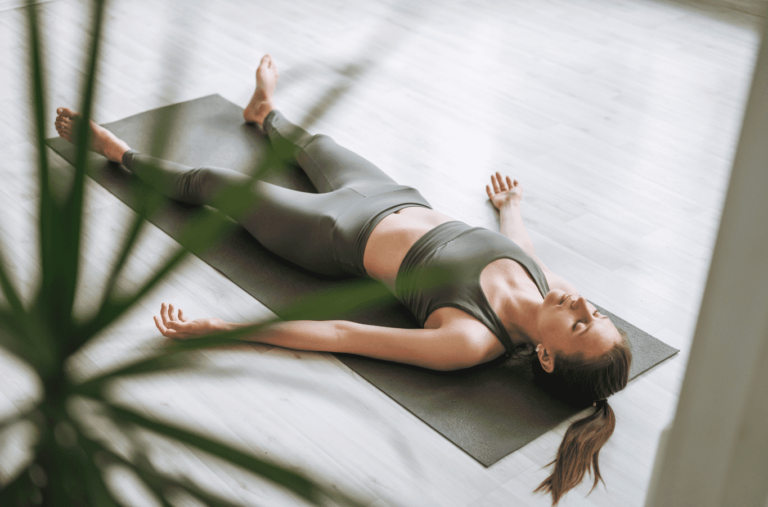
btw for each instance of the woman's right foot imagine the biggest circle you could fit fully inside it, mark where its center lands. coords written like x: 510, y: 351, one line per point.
x: 261, y: 102
x: 103, y: 141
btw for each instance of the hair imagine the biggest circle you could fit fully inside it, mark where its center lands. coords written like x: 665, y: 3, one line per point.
x: 583, y: 381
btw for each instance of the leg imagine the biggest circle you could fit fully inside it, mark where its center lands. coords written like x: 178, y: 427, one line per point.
x: 328, y: 165
x: 297, y: 226
x: 198, y: 185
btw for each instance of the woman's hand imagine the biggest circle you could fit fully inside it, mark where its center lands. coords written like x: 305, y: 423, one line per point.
x: 174, y: 325
x: 504, y: 191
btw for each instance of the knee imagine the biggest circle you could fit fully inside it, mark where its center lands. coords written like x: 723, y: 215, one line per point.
x: 196, y: 185
x: 318, y: 141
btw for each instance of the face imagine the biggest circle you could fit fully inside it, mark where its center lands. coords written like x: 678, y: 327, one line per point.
x: 568, y: 324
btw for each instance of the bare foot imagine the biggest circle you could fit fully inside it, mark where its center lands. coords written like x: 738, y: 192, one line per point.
x: 261, y: 102
x: 103, y: 141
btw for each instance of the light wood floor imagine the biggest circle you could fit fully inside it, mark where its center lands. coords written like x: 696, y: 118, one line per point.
x: 620, y: 117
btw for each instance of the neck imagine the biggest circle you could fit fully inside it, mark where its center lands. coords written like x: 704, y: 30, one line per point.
x: 520, y: 317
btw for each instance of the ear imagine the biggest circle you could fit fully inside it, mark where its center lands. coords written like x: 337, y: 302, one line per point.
x: 546, y: 359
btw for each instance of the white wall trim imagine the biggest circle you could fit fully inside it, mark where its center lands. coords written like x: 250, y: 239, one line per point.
x: 716, y: 453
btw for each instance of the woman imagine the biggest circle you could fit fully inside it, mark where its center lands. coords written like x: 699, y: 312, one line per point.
x: 478, y: 294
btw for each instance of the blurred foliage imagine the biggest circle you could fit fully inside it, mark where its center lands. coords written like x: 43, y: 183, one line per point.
x: 69, y: 461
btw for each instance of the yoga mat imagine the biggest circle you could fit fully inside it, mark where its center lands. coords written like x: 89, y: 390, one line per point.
x: 488, y: 411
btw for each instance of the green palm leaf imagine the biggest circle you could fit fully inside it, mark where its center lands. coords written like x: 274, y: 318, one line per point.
x: 45, y: 334
x: 160, y: 484
x: 294, y: 482
x: 48, y: 211
x: 21, y: 491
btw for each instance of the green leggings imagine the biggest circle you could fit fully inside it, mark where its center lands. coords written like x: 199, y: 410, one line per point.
x: 325, y: 232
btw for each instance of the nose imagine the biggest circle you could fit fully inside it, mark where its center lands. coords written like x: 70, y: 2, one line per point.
x: 581, y: 305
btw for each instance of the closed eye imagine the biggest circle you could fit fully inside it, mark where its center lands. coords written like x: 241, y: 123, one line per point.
x: 596, y: 314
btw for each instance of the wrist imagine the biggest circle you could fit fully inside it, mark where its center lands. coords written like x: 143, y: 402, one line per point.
x: 222, y: 325
x: 509, y: 206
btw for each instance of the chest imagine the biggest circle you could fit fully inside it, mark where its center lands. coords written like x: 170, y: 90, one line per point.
x: 499, y: 281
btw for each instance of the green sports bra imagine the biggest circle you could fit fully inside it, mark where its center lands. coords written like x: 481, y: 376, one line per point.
x: 443, y: 269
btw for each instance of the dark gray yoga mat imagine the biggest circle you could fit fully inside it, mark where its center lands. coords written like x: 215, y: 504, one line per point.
x: 487, y: 411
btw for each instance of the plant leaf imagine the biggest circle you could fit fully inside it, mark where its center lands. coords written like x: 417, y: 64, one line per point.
x: 113, y: 308
x: 24, y: 337
x: 139, y: 221
x: 168, y: 359
x: 19, y: 491
x: 9, y: 338
x: 158, y: 482
x: 69, y: 237
x: 290, y: 480
x: 11, y: 294
x: 203, y: 231
x: 352, y: 296
x: 98, y: 491
x: 48, y: 207
x: 15, y: 418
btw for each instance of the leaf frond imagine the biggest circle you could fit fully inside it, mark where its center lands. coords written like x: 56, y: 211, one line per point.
x: 49, y: 210
x: 168, y: 359
x: 278, y: 475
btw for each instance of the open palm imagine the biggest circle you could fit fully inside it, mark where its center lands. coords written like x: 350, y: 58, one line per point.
x: 173, y: 324
x: 503, y: 190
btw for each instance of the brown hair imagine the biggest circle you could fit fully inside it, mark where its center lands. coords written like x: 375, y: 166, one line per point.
x: 582, y: 382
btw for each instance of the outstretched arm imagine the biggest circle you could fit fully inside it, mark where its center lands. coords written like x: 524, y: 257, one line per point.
x: 438, y: 349
x: 506, y: 195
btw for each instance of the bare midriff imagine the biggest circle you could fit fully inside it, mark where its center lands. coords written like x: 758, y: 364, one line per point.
x: 391, y: 239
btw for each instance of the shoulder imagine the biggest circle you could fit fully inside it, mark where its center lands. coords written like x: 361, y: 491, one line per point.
x: 466, y: 334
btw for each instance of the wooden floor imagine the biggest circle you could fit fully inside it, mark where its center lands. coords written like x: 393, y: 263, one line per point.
x: 620, y: 117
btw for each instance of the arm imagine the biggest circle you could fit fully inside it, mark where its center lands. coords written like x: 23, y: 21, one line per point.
x: 448, y: 348
x: 506, y: 197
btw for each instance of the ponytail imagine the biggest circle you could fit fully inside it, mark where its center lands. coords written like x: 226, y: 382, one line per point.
x: 579, y: 451
x: 580, y: 381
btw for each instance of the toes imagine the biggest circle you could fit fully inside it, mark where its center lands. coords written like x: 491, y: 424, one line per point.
x: 66, y: 112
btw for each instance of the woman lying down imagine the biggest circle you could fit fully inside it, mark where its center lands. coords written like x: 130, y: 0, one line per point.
x: 499, y: 298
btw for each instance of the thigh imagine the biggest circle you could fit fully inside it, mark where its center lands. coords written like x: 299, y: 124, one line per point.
x: 327, y: 164
x: 298, y: 226
x: 340, y: 167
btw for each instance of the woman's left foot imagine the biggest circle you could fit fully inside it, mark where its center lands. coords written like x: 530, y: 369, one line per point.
x: 261, y: 101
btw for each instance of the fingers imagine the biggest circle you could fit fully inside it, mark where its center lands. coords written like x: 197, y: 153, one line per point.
x: 168, y: 333
x: 490, y: 194
x: 171, y: 321
x: 502, y: 185
x: 164, y: 314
